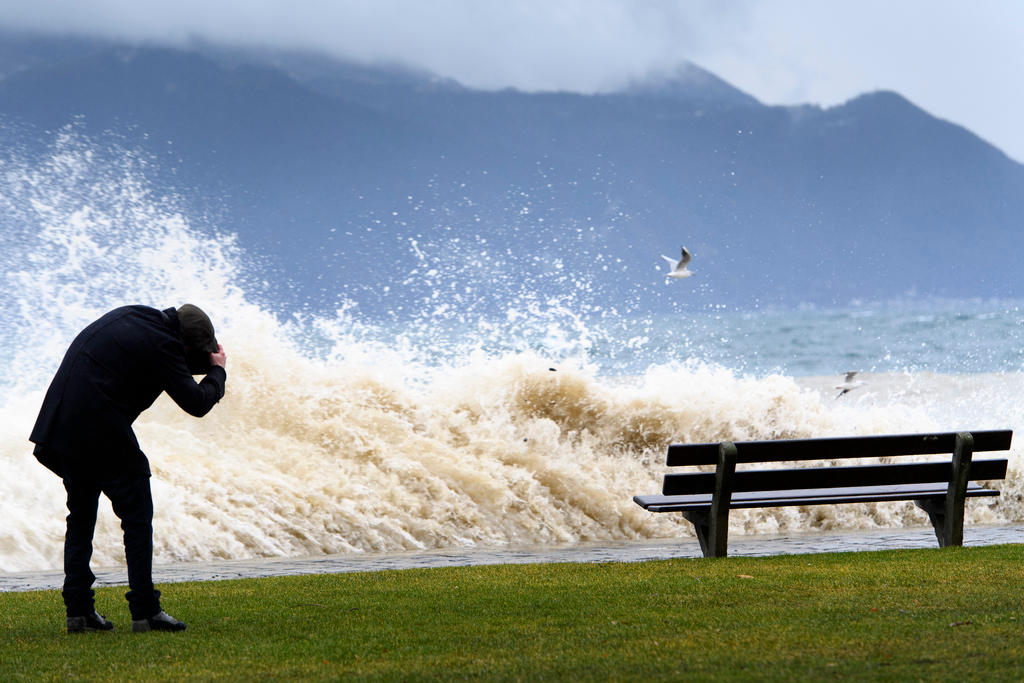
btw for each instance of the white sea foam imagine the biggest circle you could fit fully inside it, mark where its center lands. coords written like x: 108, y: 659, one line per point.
x: 327, y: 443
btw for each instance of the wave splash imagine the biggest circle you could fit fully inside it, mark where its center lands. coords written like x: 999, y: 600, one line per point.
x: 338, y: 436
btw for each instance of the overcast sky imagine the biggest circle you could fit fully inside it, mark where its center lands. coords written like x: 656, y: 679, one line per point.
x: 961, y: 61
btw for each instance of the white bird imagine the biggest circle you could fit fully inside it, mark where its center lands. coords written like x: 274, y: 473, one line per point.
x: 849, y: 383
x: 678, y: 268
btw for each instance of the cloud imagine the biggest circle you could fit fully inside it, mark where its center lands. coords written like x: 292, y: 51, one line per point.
x: 958, y: 61
x: 582, y: 45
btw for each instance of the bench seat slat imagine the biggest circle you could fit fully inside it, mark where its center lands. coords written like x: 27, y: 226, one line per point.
x: 828, y: 477
x: 816, y: 496
x: 841, y: 448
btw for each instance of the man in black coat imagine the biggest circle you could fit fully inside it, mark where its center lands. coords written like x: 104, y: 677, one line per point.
x: 113, y: 370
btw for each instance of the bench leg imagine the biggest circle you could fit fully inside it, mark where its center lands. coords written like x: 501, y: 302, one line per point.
x: 701, y: 522
x: 947, y: 514
x: 713, y: 527
x: 957, y: 494
x: 936, y: 509
x: 722, y: 500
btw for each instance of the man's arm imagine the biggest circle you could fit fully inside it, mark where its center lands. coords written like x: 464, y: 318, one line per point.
x: 195, y: 399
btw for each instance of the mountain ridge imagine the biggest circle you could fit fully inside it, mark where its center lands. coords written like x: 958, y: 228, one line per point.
x: 867, y: 200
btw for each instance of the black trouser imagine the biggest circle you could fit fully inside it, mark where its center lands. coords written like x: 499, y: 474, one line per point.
x: 132, y: 501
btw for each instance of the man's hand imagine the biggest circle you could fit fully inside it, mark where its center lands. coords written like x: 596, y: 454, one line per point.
x: 220, y: 358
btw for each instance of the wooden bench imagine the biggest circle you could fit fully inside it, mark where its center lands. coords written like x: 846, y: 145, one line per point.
x: 939, y: 488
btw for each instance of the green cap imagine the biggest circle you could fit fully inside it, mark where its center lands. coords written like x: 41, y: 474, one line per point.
x: 196, y: 329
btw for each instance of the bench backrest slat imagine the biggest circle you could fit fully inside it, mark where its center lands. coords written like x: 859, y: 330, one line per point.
x: 832, y: 477
x: 785, y: 450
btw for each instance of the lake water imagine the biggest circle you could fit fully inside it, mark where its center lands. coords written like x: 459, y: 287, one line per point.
x: 344, y: 435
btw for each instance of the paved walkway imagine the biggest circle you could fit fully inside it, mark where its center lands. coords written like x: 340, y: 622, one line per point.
x: 626, y: 551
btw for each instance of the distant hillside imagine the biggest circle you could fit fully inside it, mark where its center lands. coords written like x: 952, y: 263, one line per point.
x: 330, y: 170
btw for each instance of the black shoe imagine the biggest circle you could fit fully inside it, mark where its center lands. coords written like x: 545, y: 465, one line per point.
x: 161, y: 621
x: 92, y: 622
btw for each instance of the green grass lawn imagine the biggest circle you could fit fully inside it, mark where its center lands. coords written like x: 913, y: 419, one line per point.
x: 936, y: 614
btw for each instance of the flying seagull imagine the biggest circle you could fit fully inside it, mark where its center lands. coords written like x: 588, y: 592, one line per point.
x: 678, y: 268
x: 849, y: 383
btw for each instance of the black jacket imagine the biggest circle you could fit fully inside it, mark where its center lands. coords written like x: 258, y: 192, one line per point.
x: 113, y: 370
